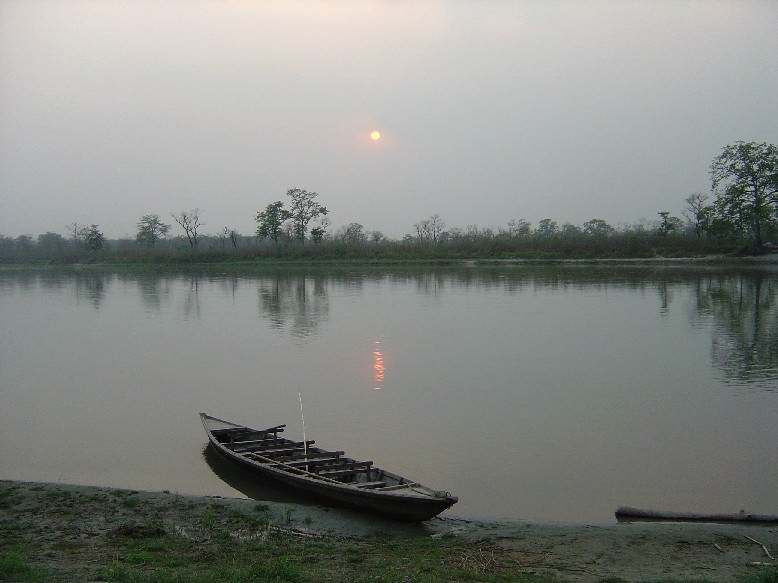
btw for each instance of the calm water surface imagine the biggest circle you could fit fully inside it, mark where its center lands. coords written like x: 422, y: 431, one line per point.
x: 550, y: 394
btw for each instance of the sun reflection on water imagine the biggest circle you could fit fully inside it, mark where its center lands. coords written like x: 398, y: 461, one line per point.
x: 378, y: 365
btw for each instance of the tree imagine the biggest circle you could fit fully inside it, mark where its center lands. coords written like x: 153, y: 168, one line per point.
x: 422, y: 230
x: 150, y: 230
x: 317, y: 234
x: 436, y: 227
x: 94, y: 240
x: 270, y: 221
x: 547, y: 228
x: 667, y: 224
x: 519, y: 228
x: 227, y: 234
x: 353, y: 233
x: 23, y: 242
x: 76, y: 233
x: 303, y: 210
x: 51, y: 242
x: 744, y: 178
x: 430, y: 229
x: 697, y: 212
x: 190, y: 222
x: 597, y: 228
x: 570, y: 230
x: 234, y: 237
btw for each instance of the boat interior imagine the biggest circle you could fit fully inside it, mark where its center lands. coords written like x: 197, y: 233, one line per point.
x: 304, y: 459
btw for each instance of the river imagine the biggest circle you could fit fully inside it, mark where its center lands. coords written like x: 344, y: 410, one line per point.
x: 549, y: 394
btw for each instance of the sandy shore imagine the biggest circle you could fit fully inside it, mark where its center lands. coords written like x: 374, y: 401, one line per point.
x: 86, y: 516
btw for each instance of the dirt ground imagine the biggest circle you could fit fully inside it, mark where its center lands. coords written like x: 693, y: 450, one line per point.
x: 578, y: 553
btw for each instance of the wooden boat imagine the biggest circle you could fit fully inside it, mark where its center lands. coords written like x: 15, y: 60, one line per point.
x: 326, y: 475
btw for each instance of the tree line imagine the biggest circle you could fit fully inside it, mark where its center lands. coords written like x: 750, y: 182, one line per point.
x: 740, y: 214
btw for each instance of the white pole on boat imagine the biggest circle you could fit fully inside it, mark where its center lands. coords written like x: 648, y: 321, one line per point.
x: 305, y: 441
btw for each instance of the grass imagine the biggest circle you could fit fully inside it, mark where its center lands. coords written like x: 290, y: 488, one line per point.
x: 15, y: 566
x: 279, y: 559
x: 214, y: 542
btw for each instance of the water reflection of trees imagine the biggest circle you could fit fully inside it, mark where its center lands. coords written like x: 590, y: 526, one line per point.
x: 740, y: 303
x: 745, y: 315
x: 153, y: 289
x: 90, y: 286
x: 516, y: 278
x: 298, y: 303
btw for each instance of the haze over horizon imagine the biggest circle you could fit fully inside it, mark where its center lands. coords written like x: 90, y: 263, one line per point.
x: 488, y: 111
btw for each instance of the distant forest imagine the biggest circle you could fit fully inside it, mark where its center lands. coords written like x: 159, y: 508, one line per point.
x: 741, y: 216
x: 666, y: 237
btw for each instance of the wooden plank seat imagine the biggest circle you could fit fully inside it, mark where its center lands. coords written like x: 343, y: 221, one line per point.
x: 288, y: 457
x: 313, y: 461
x: 267, y: 460
x: 282, y: 447
x: 251, y: 442
x: 269, y: 445
x: 258, y: 439
x: 400, y: 486
x: 277, y: 454
x: 344, y: 464
x: 344, y: 473
x: 299, y: 459
x: 370, y: 485
x: 229, y: 430
x: 312, y: 454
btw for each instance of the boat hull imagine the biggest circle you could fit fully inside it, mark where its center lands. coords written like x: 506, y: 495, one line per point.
x: 395, y: 505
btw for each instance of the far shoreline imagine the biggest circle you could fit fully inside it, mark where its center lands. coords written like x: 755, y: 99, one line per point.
x: 767, y: 260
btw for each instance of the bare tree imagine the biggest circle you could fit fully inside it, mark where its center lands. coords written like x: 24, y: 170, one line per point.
x: 77, y: 233
x: 430, y: 229
x: 234, y: 237
x: 696, y: 211
x: 436, y: 227
x: 422, y: 230
x: 228, y: 234
x: 190, y: 222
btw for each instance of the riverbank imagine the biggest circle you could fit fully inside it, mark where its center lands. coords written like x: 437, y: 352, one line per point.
x: 209, y: 260
x: 56, y: 532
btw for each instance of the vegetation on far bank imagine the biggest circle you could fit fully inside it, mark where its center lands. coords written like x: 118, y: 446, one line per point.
x: 519, y: 241
x: 741, y: 218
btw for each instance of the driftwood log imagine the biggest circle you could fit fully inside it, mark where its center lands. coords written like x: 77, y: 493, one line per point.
x: 629, y: 514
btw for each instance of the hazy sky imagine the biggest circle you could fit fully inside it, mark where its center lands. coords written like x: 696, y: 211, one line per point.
x: 489, y: 110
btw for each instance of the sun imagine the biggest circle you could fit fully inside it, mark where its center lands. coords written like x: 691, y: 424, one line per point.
x: 375, y: 135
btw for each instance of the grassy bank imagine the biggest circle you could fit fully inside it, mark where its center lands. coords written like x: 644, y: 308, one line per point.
x: 71, y: 534
x: 63, y: 533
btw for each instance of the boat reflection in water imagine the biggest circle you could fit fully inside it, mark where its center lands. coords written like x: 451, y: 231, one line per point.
x: 244, y: 481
